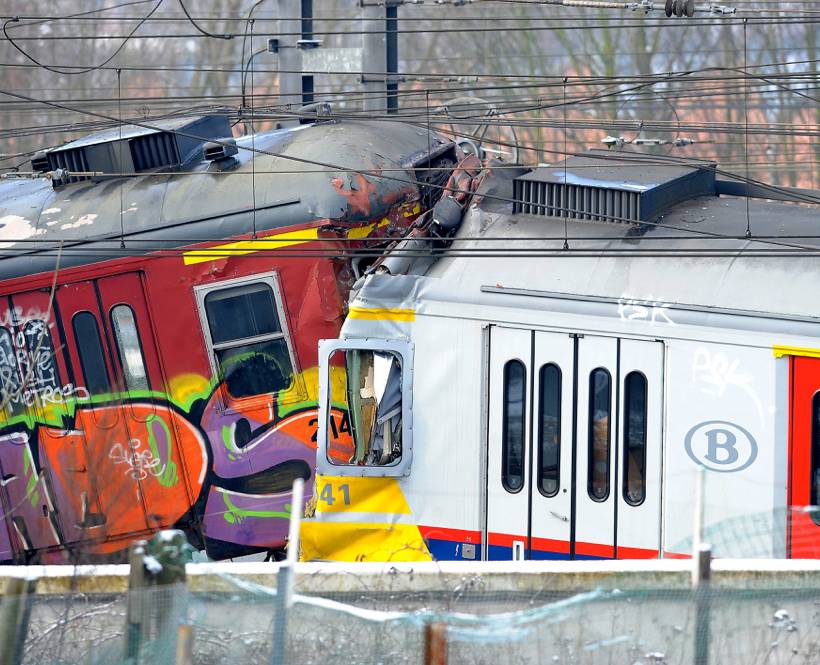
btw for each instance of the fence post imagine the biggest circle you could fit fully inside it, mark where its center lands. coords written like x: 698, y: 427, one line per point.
x: 435, y: 644
x: 285, y: 576
x: 15, y: 611
x: 135, y: 614
x: 185, y: 645
x: 701, y: 577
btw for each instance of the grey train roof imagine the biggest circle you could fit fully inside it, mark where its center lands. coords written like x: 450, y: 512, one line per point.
x: 174, y: 209
x: 736, y: 280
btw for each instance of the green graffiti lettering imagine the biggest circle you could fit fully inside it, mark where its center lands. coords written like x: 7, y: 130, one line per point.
x: 236, y: 515
x: 227, y: 438
x: 31, y: 481
x: 169, y: 476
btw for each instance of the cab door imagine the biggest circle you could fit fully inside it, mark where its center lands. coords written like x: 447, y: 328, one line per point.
x: 804, y: 459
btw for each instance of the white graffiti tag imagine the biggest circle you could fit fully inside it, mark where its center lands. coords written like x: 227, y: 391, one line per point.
x: 28, y: 371
x: 140, y: 463
x: 714, y: 372
x: 644, y: 309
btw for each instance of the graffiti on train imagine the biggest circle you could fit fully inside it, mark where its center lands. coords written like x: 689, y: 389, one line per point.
x: 102, y: 468
x: 28, y: 374
x: 655, y: 312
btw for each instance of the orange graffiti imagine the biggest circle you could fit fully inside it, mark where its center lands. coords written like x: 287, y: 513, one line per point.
x: 122, y: 470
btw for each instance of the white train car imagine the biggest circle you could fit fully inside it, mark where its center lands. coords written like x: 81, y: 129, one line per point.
x: 549, y: 386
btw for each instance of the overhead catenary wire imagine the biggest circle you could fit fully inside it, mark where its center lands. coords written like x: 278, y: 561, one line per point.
x: 791, y: 131
x: 797, y: 197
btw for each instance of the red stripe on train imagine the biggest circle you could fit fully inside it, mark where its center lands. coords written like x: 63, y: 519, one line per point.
x: 453, y: 535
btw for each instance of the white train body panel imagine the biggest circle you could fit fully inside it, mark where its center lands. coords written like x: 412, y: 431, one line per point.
x: 655, y: 388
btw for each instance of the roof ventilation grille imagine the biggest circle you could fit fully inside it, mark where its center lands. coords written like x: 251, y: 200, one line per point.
x: 73, y: 161
x: 600, y: 188
x: 164, y: 145
x: 154, y: 151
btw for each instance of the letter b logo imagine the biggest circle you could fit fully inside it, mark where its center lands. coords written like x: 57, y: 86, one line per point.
x: 721, y: 446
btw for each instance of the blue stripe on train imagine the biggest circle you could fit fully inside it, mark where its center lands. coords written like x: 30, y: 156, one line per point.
x: 447, y: 550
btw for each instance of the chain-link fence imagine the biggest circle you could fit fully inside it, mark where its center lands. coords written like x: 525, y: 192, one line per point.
x: 512, y: 613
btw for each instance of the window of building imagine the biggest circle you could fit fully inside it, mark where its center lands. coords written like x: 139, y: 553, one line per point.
x: 549, y: 430
x: 127, y: 338
x: 634, y: 484
x: 90, y: 350
x: 247, y: 338
x: 600, y: 400
x: 512, y: 441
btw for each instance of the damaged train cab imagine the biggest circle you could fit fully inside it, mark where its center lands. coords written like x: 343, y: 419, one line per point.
x: 158, y: 330
x: 598, y: 334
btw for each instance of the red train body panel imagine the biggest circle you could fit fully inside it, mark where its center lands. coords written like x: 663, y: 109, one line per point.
x: 177, y: 387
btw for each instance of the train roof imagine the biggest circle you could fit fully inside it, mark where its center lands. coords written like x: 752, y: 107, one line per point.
x: 694, y: 255
x: 209, y: 200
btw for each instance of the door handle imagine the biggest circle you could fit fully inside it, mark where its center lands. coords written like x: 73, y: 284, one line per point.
x: 560, y: 517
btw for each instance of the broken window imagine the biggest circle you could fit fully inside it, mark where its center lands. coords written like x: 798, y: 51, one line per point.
x: 364, y: 414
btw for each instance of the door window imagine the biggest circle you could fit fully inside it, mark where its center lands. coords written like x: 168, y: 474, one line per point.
x: 512, y: 442
x: 634, y: 488
x: 599, y: 434
x: 129, y: 348
x: 549, y: 430
x: 89, y: 348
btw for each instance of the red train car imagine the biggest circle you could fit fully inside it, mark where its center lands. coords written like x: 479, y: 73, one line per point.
x: 161, y: 298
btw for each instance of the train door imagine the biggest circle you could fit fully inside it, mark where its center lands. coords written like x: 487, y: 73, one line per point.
x: 804, y: 459
x: 110, y: 345
x: 32, y: 372
x: 155, y: 453
x: 574, y: 459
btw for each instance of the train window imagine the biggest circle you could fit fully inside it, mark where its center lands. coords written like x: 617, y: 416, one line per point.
x: 634, y: 483
x: 814, y: 490
x: 599, y: 432
x: 247, y: 338
x: 10, y: 381
x: 373, y: 400
x: 549, y: 430
x: 37, y: 366
x: 89, y: 348
x: 512, y: 438
x: 365, y: 422
x: 127, y: 338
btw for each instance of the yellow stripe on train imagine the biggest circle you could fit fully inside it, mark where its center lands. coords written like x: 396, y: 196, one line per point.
x: 381, y: 314
x: 804, y: 352
x: 241, y: 247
